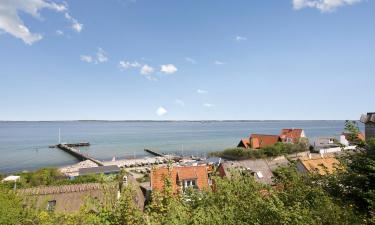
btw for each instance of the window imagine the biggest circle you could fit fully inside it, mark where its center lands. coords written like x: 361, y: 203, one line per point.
x: 51, y: 205
x: 189, y: 183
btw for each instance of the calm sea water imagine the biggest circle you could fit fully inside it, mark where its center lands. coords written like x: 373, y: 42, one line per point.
x: 24, y: 145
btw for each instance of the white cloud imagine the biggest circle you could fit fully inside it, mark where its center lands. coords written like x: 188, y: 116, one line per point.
x: 59, y: 32
x: 168, y: 69
x: 208, y: 105
x: 200, y: 91
x: 161, y: 111
x: 100, y: 57
x: 147, y: 70
x: 180, y: 102
x: 191, y: 60
x: 219, y: 62
x: 11, y: 22
x: 86, y: 58
x: 241, y: 38
x: 75, y: 24
x: 127, y: 64
x: 323, y: 5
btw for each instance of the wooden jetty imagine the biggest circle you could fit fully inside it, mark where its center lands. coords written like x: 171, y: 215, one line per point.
x: 154, y: 152
x: 74, y: 152
x: 80, y: 144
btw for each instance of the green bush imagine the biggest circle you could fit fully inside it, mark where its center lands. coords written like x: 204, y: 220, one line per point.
x: 269, y: 151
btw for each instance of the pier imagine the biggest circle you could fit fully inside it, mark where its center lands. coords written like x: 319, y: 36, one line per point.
x: 76, y: 153
x: 154, y: 152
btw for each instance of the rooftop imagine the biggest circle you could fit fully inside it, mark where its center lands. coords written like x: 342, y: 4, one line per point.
x: 99, y: 169
x: 320, y: 165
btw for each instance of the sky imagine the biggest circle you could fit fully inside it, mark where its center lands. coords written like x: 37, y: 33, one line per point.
x: 186, y: 59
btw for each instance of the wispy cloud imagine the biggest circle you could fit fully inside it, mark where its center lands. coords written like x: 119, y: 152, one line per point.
x: 123, y: 65
x: 180, y: 102
x: 75, y: 24
x: 147, y: 70
x: 168, y: 69
x: 217, y: 62
x: 86, y: 58
x: 323, y: 5
x: 161, y: 111
x: 191, y: 60
x: 241, y: 38
x: 200, y: 91
x: 59, y: 32
x: 208, y: 105
x: 100, y: 57
x: 11, y: 22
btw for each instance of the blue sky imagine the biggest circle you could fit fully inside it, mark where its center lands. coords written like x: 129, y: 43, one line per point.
x: 185, y: 59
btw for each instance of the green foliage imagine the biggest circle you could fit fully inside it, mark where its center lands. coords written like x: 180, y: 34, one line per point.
x: 51, y: 176
x: 12, y: 210
x: 274, y: 150
x: 355, y: 184
x: 345, y: 197
x: 351, y: 127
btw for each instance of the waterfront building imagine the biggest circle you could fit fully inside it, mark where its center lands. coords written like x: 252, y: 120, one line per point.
x: 292, y: 135
x: 257, y: 141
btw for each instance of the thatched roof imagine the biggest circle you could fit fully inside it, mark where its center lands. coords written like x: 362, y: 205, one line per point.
x: 61, y: 189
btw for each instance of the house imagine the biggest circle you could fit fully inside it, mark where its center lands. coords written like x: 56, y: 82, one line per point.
x: 325, y: 141
x: 261, y: 169
x: 292, y: 135
x: 182, y: 177
x: 70, y: 198
x: 112, y: 169
x: 325, y: 145
x: 321, y: 165
x: 67, y: 198
x: 244, y: 143
x: 258, y: 141
x: 369, y: 121
x: 359, y: 137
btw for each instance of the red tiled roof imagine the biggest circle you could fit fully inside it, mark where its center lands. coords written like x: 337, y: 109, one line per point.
x: 360, y: 136
x: 245, y: 143
x: 294, y: 134
x: 178, y: 174
x: 263, y: 140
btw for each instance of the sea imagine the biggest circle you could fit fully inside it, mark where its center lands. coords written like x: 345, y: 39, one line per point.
x: 25, y: 145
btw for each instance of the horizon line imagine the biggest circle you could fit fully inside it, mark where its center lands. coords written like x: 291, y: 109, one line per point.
x: 203, y: 120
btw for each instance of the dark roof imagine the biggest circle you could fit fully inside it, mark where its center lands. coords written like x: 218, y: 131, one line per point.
x: 99, y: 169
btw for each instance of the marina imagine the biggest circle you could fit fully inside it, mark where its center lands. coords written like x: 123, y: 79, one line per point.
x: 25, y: 145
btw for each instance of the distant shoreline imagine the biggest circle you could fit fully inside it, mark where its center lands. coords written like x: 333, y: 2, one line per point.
x: 169, y: 121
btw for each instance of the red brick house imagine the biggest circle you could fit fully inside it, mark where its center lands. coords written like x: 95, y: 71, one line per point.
x: 244, y: 143
x: 263, y: 140
x: 257, y: 141
x: 292, y: 135
x: 182, y: 177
